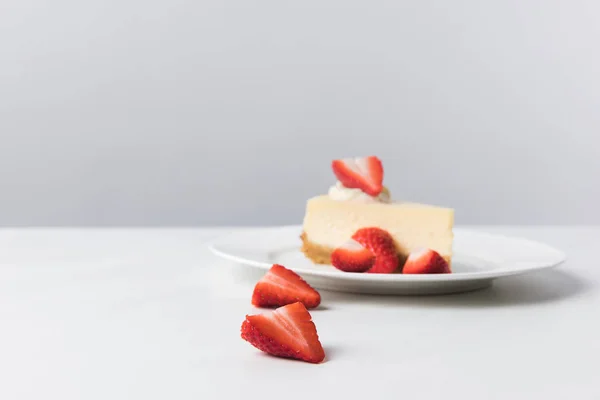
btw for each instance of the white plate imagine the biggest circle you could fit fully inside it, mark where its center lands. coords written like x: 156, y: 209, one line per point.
x: 478, y: 259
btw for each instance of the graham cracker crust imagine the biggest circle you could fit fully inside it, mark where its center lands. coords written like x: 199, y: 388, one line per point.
x: 315, y: 252
x: 322, y: 254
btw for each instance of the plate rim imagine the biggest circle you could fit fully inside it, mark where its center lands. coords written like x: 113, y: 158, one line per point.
x: 520, y: 268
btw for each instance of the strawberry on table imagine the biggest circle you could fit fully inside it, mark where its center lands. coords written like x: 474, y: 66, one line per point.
x: 364, y: 173
x: 281, y: 286
x: 352, y: 257
x: 382, y: 246
x: 285, y: 332
x: 425, y: 261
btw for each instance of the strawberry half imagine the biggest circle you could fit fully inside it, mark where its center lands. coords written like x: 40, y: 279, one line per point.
x: 425, y: 261
x: 352, y: 257
x: 382, y: 245
x: 281, y: 286
x: 285, y: 332
x: 364, y: 173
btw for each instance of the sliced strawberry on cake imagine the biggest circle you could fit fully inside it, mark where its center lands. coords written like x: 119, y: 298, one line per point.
x: 281, y: 286
x: 364, y: 173
x: 425, y: 261
x: 352, y: 257
x: 287, y: 332
x: 381, y: 244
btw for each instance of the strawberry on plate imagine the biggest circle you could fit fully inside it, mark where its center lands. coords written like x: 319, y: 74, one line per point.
x: 382, y: 246
x: 281, y: 286
x: 425, y: 261
x: 364, y: 173
x: 352, y: 257
x: 285, y: 332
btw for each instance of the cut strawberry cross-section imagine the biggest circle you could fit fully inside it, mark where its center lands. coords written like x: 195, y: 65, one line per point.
x: 352, y: 257
x: 364, y: 173
x: 382, y: 245
x: 287, y: 332
x: 425, y: 261
x: 281, y: 286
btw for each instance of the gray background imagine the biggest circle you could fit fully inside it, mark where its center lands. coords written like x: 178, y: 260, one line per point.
x: 174, y: 112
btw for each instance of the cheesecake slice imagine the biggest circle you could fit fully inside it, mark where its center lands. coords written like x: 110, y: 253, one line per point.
x: 359, y: 200
x: 329, y: 223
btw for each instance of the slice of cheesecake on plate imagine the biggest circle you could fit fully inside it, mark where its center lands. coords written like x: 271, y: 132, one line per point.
x: 359, y: 200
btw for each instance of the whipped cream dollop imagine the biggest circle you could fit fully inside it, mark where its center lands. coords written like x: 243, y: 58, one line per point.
x: 340, y: 192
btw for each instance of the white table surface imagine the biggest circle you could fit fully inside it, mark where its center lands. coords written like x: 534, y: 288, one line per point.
x: 151, y: 314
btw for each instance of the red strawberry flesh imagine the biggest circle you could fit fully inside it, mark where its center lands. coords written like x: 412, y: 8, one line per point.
x: 364, y: 173
x: 352, y: 257
x: 281, y: 286
x: 425, y: 261
x: 287, y: 332
x: 382, y: 245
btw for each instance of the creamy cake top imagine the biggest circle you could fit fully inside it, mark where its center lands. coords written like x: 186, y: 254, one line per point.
x: 339, y: 192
